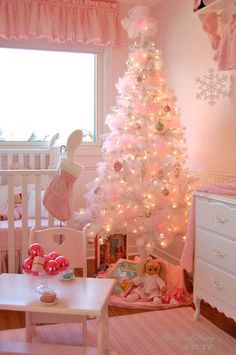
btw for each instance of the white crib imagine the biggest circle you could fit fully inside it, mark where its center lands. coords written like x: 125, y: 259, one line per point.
x: 35, y: 169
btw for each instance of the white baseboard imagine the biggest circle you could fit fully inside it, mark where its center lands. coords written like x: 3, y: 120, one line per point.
x: 205, y: 177
x: 163, y: 254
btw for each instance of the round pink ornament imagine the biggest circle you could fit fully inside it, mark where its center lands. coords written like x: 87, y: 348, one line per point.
x: 36, y: 249
x: 117, y: 166
x: 53, y: 255
x: 27, y: 265
x: 52, y: 268
x: 63, y: 262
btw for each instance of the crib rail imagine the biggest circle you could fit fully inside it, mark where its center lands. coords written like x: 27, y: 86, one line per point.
x: 31, y: 179
x: 27, y: 168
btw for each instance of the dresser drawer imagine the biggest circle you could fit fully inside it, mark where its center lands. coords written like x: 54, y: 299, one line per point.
x: 216, y: 250
x: 216, y: 282
x: 216, y: 216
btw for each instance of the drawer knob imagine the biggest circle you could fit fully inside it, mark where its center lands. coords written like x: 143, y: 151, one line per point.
x: 216, y: 284
x: 220, y: 220
x: 218, y: 252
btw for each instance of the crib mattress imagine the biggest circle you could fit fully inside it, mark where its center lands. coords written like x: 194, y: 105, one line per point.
x: 17, y: 241
x: 17, y: 232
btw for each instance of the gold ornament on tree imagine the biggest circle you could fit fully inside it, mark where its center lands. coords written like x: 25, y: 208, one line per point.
x: 148, y: 213
x: 159, y: 126
x: 139, y: 79
x: 165, y: 191
x: 160, y: 174
x: 177, y: 170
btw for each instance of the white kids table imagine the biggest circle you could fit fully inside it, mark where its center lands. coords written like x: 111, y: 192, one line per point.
x: 80, y: 296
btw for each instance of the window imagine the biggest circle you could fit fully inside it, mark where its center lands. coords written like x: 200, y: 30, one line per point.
x: 45, y: 91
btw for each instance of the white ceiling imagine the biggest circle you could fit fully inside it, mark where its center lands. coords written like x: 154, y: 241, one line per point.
x: 140, y: 2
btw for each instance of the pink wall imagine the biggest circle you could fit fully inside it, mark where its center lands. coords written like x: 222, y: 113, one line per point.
x: 187, y: 55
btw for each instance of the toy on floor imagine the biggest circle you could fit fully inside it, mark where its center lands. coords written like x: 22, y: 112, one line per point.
x: 151, y: 284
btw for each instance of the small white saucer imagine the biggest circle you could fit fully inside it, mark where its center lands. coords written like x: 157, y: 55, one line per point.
x: 67, y: 278
x: 50, y: 303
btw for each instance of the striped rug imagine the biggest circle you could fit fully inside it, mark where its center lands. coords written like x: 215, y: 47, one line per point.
x: 169, y: 332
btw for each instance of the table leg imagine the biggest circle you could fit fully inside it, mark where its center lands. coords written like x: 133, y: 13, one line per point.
x: 29, y: 327
x: 197, y: 302
x: 103, y: 331
x: 84, y: 331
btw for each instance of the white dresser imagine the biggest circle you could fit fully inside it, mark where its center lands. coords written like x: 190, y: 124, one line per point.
x: 215, y: 253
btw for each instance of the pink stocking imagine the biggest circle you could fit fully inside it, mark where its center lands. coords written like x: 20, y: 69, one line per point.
x: 56, y: 197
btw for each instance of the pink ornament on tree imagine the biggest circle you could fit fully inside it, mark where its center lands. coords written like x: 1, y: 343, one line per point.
x: 117, y: 166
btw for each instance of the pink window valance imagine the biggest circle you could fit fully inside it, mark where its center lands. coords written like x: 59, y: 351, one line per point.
x: 86, y: 21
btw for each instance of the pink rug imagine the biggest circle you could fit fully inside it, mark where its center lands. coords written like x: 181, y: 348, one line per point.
x: 169, y: 332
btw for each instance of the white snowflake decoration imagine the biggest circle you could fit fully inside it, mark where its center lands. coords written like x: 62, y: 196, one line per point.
x: 212, y: 86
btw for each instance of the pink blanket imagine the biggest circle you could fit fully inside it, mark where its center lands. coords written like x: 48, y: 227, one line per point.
x: 224, y: 188
x: 176, y: 294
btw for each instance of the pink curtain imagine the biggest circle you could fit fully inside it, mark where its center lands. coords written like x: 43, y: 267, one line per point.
x: 86, y: 21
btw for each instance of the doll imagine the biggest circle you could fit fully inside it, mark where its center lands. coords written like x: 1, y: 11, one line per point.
x: 17, y: 209
x: 150, y: 284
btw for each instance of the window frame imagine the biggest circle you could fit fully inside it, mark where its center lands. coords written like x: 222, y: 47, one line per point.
x: 103, y: 88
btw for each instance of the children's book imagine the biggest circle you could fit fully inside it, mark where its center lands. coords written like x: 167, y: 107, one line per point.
x: 122, y: 271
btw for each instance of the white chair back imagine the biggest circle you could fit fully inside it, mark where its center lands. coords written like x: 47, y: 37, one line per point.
x: 68, y: 242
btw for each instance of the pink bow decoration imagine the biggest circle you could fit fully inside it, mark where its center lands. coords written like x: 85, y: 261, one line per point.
x: 139, y: 23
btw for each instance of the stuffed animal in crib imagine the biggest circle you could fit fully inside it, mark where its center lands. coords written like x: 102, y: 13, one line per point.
x: 151, y: 284
x: 17, y: 209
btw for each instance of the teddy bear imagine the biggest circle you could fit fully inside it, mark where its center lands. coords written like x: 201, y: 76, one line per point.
x: 17, y: 208
x: 150, y: 285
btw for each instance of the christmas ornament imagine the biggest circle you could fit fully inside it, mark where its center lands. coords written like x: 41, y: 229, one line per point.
x: 97, y: 190
x: 165, y: 192
x: 63, y: 262
x: 117, y: 166
x: 130, y: 114
x: 53, y: 255
x: 159, y: 126
x: 166, y: 299
x: 37, y: 266
x: 160, y: 174
x: 137, y: 125
x: 177, y: 170
x: 148, y: 213
x: 36, y: 249
x: 153, y: 97
x: 52, y: 268
x: 167, y: 108
x: 139, y: 79
x: 27, y: 265
x: 180, y: 295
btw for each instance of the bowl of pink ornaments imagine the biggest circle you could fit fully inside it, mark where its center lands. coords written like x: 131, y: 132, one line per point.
x: 45, y: 266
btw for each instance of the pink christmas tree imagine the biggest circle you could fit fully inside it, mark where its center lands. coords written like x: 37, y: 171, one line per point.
x: 143, y: 186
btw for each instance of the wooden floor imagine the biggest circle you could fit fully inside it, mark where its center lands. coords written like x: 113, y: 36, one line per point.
x: 12, y: 320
